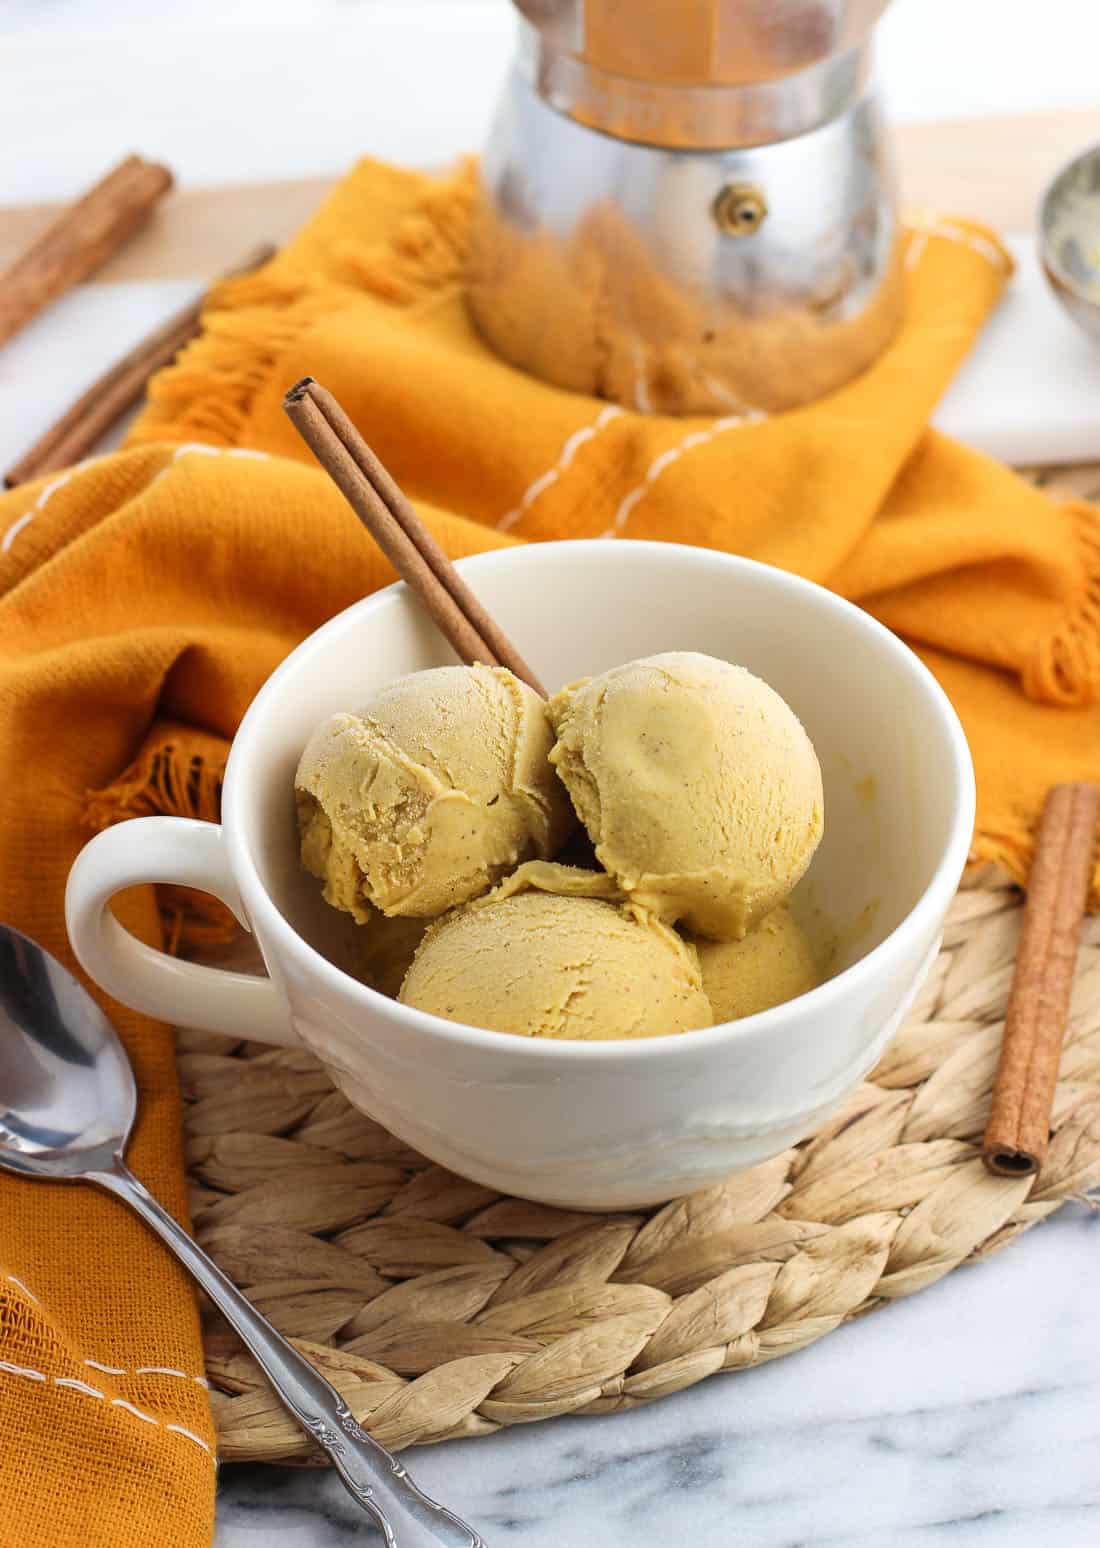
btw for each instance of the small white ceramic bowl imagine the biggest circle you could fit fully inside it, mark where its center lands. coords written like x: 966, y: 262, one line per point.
x: 1069, y: 238
x: 588, y: 1125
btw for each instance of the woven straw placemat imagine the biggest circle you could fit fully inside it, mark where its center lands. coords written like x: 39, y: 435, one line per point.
x: 441, y: 1309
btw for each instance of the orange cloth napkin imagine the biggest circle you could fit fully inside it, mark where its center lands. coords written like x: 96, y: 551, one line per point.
x: 995, y: 585
x: 145, y: 596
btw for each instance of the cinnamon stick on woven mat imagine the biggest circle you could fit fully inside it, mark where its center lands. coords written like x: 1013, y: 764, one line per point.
x: 80, y: 240
x: 397, y: 529
x: 118, y: 389
x: 1018, y: 1131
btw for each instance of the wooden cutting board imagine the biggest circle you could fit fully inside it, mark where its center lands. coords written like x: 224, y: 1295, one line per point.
x: 991, y: 168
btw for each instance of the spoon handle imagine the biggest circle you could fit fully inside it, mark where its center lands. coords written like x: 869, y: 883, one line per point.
x: 371, y: 1474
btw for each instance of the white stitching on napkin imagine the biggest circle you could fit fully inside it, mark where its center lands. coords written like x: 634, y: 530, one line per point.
x: 28, y: 516
x: 22, y: 1370
x: 916, y: 247
x: 565, y: 457
x: 15, y: 529
x: 975, y: 241
x: 79, y: 1386
x: 666, y: 458
x: 924, y: 226
x: 928, y: 224
x: 111, y: 1370
x: 642, y: 401
x: 130, y: 1409
x: 147, y: 1370
x: 201, y: 449
x: 72, y: 1384
x: 718, y: 389
x: 198, y: 447
x: 179, y: 1429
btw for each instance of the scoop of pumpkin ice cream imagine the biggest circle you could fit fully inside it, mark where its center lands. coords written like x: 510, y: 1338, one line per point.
x: 774, y: 963
x: 433, y: 791
x: 558, y: 964
x: 697, y: 785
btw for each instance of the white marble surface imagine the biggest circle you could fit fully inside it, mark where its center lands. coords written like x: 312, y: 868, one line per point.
x: 968, y: 1416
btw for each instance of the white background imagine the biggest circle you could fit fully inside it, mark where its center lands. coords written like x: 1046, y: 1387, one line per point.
x: 231, y: 90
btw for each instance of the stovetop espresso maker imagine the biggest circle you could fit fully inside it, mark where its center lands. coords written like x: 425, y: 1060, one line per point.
x: 686, y: 206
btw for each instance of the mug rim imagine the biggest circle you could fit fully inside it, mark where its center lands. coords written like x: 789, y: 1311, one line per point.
x: 932, y: 902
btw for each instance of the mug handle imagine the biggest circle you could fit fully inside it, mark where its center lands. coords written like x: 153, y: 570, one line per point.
x: 191, y: 854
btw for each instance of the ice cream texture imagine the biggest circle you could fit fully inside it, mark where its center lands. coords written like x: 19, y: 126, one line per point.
x: 774, y: 963
x: 697, y: 785
x: 559, y: 963
x: 440, y: 786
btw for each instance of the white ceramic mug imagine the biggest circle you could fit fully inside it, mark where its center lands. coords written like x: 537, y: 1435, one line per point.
x: 589, y: 1125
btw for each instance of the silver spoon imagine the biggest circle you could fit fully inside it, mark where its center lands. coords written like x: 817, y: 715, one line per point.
x: 67, y: 1104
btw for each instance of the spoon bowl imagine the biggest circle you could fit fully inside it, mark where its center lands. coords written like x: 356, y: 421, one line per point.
x: 68, y: 1100
x: 67, y: 1092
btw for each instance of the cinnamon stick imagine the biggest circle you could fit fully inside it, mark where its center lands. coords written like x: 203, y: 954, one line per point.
x: 80, y: 240
x: 118, y: 389
x: 1018, y: 1131
x: 397, y: 529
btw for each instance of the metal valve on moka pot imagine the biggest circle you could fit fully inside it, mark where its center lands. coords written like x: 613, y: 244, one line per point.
x: 686, y: 206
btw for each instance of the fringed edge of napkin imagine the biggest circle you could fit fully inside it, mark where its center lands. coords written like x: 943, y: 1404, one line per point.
x: 178, y: 772
x: 249, y: 324
x: 247, y: 327
x: 428, y: 250
x: 1065, y: 667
